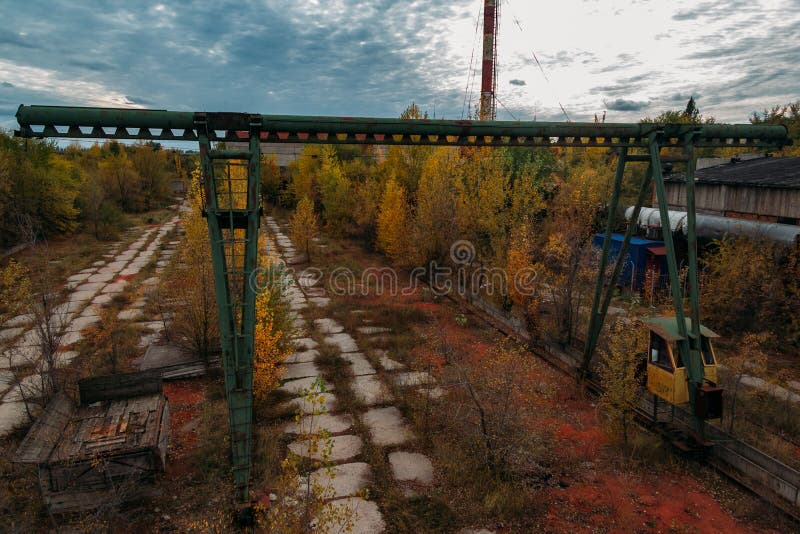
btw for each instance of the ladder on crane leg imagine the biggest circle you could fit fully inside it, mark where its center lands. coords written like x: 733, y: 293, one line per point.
x: 231, y: 199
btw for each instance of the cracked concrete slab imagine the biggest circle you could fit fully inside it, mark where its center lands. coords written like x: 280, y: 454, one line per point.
x: 102, y: 300
x: 343, y: 448
x: 343, y: 341
x: 79, y: 277
x: 90, y: 286
x: 116, y: 287
x: 29, y: 387
x: 297, y: 386
x: 300, y: 403
x: 303, y: 356
x: 369, y: 390
x: 386, y: 426
x: 81, y: 296
x: 102, y: 277
x: 312, y: 424
x: 131, y: 314
x: 328, y: 326
x: 359, y: 365
x: 300, y: 370
x: 411, y: 467
x: 81, y: 322
x: 343, y: 480
x: 361, y: 516
x: 19, y: 320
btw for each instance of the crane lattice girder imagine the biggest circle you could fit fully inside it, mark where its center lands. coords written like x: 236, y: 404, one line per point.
x: 160, y: 125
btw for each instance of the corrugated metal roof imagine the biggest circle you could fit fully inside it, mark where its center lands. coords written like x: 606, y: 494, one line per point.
x: 782, y: 173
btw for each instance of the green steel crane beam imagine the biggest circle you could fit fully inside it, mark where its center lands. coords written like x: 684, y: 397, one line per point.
x: 158, y: 125
x: 233, y: 212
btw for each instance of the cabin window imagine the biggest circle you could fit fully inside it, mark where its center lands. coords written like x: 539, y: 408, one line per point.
x: 676, y: 352
x: 659, y: 354
x: 708, y: 356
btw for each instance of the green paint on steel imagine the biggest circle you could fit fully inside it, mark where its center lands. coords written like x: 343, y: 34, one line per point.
x: 233, y: 231
x: 235, y: 295
x: 602, y: 300
x: 75, y: 122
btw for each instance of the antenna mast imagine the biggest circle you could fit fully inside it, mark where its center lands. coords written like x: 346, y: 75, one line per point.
x: 491, y: 16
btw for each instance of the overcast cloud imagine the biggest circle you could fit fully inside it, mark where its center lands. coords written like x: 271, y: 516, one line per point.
x: 373, y: 57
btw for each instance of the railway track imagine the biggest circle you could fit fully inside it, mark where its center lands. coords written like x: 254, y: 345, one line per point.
x: 765, y: 476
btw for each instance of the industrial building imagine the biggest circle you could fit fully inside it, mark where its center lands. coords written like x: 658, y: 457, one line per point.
x: 755, y: 196
x: 752, y: 187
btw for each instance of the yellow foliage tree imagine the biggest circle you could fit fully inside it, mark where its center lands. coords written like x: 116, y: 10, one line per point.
x: 304, y: 173
x: 436, y: 206
x: 406, y: 163
x: 481, y: 190
x: 187, y: 290
x: 367, y: 196
x: 566, y: 263
x: 393, y: 223
x: 15, y: 290
x: 304, y: 225
x: 626, y: 345
x: 270, y: 347
x: 520, y: 274
x: 334, y: 191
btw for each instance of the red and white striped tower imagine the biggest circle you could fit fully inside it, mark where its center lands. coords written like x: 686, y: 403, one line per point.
x: 491, y: 14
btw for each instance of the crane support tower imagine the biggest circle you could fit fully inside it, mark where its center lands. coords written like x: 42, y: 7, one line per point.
x: 491, y: 18
x: 233, y: 209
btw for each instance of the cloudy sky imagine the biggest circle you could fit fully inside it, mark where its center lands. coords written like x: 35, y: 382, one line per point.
x: 373, y: 57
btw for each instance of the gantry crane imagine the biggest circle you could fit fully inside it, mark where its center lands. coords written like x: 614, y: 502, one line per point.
x: 233, y: 209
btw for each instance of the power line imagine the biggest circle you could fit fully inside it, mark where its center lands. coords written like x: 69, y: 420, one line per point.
x: 518, y: 24
x: 505, y: 108
x: 471, y: 72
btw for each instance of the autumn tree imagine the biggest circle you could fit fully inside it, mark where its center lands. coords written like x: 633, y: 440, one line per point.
x: 434, y: 230
x: 625, y: 347
x: 367, y: 198
x: 34, y: 293
x: 150, y: 165
x: 304, y: 174
x: 113, y: 342
x: 407, y: 162
x: 394, y: 223
x: 38, y: 190
x: 120, y: 178
x: 304, y: 226
x: 787, y: 115
x: 334, y: 191
x: 270, y: 180
x: 566, y: 262
x: 187, y: 289
x: 734, y: 275
x: 15, y: 290
x: 270, y: 344
x: 689, y: 115
x: 482, y: 187
x: 99, y: 213
x: 521, y: 276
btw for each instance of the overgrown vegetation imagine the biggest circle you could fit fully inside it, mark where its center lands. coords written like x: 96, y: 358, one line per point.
x: 56, y: 192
